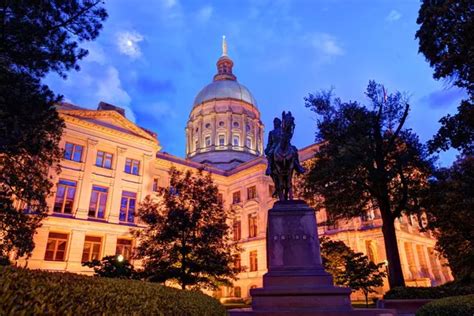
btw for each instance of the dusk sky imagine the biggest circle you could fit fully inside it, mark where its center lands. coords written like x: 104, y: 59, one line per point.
x: 153, y: 57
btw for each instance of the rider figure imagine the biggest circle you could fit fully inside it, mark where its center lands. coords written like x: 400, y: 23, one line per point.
x: 274, y: 138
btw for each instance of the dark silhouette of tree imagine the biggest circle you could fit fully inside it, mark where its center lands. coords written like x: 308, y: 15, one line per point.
x: 187, y: 239
x: 36, y: 37
x: 112, y: 267
x: 450, y: 210
x: 369, y: 160
x: 446, y: 37
x: 349, y: 268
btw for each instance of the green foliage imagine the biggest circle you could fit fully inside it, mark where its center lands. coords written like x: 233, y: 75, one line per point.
x: 368, y: 160
x: 36, y: 37
x: 446, y: 38
x: 450, y: 209
x: 30, y: 292
x: 111, y: 267
x: 349, y: 268
x: 445, y: 290
x: 187, y: 239
x: 456, y: 305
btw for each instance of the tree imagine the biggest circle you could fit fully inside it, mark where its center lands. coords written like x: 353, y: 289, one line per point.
x: 450, y: 209
x: 362, y: 274
x: 349, y: 268
x: 112, y: 267
x: 369, y: 160
x: 187, y: 239
x: 446, y: 38
x: 37, y: 37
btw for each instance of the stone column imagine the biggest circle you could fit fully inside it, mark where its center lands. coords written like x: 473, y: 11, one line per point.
x: 115, y: 190
x: 84, y: 187
x: 229, y: 128
x: 428, y: 263
x: 404, y: 261
x: 76, y: 248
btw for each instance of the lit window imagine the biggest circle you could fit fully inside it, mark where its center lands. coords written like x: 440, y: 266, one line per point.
x: 252, y: 225
x: 208, y: 141
x: 56, y: 247
x: 73, y: 152
x: 104, y: 160
x: 92, y: 247
x: 236, y: 140
x: 65, y: 197
x: 251, y: 192
x: 253, y: 260
x: 124, y: 248
x: 248, y: 142
x: 127, y: 207
x: 98, y: 202
x: 132, y: 166
x: 221, y: 140
x: 236, y: 197
x: 236, y: 230
x: 155, y: 184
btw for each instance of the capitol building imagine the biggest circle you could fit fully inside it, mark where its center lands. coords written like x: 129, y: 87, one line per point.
x: 111, y: 164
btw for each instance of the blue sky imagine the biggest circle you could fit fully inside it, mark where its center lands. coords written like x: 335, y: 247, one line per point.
x: 153, y: 57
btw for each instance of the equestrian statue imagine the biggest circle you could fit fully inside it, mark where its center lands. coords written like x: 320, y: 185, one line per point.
x: 282, y: 156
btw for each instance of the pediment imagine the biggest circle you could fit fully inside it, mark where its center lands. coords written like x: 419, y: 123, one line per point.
x: 109, y: 120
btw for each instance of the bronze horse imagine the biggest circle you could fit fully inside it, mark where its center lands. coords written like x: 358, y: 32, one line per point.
x: 284, y: 158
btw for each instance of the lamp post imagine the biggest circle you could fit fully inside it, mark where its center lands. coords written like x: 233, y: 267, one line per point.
x: 120, y: 258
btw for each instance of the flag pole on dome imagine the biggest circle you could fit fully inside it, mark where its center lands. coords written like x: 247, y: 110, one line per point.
x: 224, y: 46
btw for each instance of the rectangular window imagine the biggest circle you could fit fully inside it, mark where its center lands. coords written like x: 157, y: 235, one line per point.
x: 92, y: 248
x: 253, y: 260
x: 252, y: 225
x: 104, y: 159
x: 132, y: 166
x: 56, y: 247
x: 64, y: 201
x: 236, y: 140
x: 237, y: 262
x: 220, y: 198
x: 124, y: 248
x: 236, y: 230
x: 155, y: 184
x: 73, y: 152
x: 208, y: 141
x: 221, y: 140
x: 127, y: 207
x: 196, y: 145
x: 248, y: 143
x: 98, y: 202
x: 236, y: 197
x: 251, y: 192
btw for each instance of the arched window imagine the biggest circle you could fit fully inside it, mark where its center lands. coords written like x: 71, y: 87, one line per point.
x: 235, y: 124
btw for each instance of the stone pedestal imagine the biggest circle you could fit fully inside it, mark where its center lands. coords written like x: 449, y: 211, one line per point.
x: 296, y: 283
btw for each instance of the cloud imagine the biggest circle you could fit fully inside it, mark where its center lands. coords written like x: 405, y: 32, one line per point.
x: 169, y: 3
x: 444, y: 98
x: 205, y: 13
x: 149, y: 85
x: 393, y: 16
x: 110, y: 90
x: 161, y: 110
x: 326, y: 46
x: 127, y: 43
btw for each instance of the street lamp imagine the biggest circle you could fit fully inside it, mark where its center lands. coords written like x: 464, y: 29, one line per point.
x: 120, y: 258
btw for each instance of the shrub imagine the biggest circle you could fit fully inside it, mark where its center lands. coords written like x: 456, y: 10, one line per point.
x: 445, y: 290
x: 39, y: 292
x: 455, y: 305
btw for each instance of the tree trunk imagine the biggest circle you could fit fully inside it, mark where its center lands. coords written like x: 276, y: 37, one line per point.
x: 395, y: 273
x: 366, y: 299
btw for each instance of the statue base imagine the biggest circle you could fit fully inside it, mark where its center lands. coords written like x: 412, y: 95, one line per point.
x: 296, y: 282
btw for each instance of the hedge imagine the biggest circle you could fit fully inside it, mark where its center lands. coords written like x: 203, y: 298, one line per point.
x: 454, y: 306
x: 33, y: 292
x: 445, y: 290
